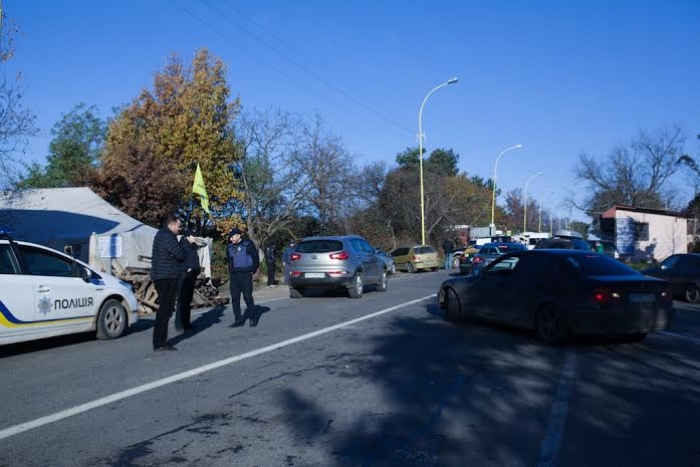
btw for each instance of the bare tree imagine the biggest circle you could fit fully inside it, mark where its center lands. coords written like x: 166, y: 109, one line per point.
x: 16, y: 121
x: 634, y: 174
x: 329, y: 169
x: 275, y: 185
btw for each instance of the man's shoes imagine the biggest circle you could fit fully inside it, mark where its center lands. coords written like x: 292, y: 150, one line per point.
x: 238, y: 323
x: 189, y: 327
x: 253, y: 322
x: 166, y: 348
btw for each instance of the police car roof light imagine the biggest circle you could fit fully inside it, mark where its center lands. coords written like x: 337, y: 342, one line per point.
x: 5, y: 231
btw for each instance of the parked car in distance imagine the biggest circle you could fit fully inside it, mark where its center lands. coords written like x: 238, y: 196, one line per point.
x: 416, y: 257
x: 532, y: 239
x: 682, y: 271
x: 565, y: 239
x: 462, y: 259
x: 489, y: 252
x: 605, y: 247
x: 388, y: 260
x: 332, y: 262
x: 560, y: 294
x: 45, y: 293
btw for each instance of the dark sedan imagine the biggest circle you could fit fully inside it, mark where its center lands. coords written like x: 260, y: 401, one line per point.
x: 560, y: 293
x: 682, y: 271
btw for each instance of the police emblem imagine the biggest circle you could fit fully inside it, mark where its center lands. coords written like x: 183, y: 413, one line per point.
x: 45, y: 306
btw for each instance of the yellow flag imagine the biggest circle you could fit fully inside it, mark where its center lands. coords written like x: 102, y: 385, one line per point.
x: 199, y: 188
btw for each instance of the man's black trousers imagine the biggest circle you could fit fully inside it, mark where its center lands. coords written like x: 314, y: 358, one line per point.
x: 184, y: 300
x: 167, y: 291
x: 270, y: 273
x: 241, y: 283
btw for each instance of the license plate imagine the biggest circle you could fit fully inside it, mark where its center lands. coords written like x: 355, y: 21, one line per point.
x: 642, y: 297
x: 314, y: 275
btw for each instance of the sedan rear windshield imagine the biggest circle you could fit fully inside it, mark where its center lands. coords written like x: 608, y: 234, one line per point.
x: 599, y: 265
x: 319, y: 246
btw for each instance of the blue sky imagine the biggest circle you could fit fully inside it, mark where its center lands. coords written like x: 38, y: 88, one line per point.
x: 558, y: 77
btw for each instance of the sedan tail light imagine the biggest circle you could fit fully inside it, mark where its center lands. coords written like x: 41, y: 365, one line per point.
x: 477, y: 259
x: 343, y: 255
x: 295, y: 256
x: 603, y: 295
x: 667, y: 295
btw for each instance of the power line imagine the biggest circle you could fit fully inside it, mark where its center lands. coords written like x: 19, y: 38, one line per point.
x: 315, y: 75
x: 227, y: 38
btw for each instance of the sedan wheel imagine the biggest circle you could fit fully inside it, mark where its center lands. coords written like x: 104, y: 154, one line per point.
x: 692, y: 294
x: 453, y: 309
x: 356, y: 288
x: 112, y: 320
x: 551, y: 326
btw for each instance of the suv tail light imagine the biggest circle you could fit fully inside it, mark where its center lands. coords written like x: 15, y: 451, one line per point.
x: 343, y: 255
x: 295, y: 256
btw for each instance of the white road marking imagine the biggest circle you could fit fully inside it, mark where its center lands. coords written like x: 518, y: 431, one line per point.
x: 549, y: 449
x: 30, y: 425
x: 680, y: 336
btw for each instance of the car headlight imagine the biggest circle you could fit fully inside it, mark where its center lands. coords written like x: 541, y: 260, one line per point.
x: 127, y: 285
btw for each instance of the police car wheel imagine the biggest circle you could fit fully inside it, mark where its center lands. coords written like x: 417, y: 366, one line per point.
x: 112, y: 320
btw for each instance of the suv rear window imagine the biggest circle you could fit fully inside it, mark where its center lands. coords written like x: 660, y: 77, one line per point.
x: 319, y: 246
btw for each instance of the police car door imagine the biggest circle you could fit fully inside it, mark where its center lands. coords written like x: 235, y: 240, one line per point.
x: 16, y: 296
x: 61, y: 297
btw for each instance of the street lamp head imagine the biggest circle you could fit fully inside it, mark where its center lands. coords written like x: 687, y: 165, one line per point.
x: 452, y: 80
x: 518, y: 146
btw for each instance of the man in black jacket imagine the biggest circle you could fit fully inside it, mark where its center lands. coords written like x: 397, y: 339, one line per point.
x: 164, y: 258
x: 243, y: 261
x: 187, y: 273
x: 270, y: 260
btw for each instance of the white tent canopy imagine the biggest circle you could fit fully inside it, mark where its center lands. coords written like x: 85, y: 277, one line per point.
x: 78, y: 221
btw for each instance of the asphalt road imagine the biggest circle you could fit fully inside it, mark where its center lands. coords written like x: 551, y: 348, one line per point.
x: 331, y: 381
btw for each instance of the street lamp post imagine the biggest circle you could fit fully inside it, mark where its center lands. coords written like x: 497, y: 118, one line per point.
x: 420, y: 155
x: 495, y: 175
x: 539, y: 226
x: 525, y: 199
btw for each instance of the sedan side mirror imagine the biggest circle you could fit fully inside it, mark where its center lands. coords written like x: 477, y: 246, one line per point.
x: 85, y: 274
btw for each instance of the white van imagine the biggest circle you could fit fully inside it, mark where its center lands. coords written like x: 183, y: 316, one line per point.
x: 45, y: 293
x: 532, y: 239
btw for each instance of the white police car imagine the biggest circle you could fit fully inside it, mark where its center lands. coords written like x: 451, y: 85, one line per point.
x: 45, y: 293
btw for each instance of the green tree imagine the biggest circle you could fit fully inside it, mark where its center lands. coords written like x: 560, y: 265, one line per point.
x: 74, y: 152
x: 154, y: 145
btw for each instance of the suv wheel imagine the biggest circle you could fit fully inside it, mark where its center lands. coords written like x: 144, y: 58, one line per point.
x: 356, y: 287
x: 296, y: 293
x: 692, y: 294
x: 410, y: 268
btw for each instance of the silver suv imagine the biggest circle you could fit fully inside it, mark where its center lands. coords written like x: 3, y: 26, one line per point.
x: 347, y: 262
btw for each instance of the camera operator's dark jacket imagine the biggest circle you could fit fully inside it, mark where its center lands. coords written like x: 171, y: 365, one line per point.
x: 191, y: 260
